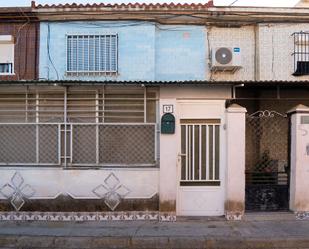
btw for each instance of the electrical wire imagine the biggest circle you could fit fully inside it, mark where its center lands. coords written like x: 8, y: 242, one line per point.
x: 48, y: 50
x: 233, y: 3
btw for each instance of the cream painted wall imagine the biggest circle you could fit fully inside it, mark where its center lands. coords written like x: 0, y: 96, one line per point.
x: 276, y: 46
x: 190, y: 102
x: 272, y: 44
x: 299, y: 195
x: 233, y: 37
x: 49, y: 183
x: 235, y: 162
x: 195, y: 92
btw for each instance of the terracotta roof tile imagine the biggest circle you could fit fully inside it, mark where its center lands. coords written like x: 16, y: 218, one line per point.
x: 127, y: 6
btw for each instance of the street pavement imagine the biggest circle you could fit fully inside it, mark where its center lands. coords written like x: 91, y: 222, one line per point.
x: 189, y: 233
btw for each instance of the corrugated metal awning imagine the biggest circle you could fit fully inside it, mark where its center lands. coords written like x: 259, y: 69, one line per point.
x: 153, y: 83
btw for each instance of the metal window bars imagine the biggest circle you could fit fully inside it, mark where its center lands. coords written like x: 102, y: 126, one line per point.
x: 92, y: 54
x: 301, y: 53
x: 200, y: 148
x: 78, y: 126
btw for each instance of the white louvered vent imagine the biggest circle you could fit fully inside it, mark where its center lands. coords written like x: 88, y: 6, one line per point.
x: 92, y: 54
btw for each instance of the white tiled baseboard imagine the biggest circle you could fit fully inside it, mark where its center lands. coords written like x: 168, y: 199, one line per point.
x: 86, y: 216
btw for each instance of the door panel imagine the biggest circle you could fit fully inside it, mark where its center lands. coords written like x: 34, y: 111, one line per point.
x: 200, y: 154
x: 201, y: 164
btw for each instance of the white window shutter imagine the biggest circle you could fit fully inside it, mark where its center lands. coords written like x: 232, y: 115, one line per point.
x: 6, y: 53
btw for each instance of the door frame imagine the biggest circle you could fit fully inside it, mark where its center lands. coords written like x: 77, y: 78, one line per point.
x: 213, y: 114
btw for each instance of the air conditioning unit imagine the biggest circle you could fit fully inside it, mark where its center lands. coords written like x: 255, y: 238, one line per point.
x: 226, y: 59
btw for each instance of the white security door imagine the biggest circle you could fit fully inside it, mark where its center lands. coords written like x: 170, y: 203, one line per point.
x: 200, y: 190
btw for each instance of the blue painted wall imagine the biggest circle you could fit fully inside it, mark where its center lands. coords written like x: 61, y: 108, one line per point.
x: 180, y: 53
x: 147, y: 52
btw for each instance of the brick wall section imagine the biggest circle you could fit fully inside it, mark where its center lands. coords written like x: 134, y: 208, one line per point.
x: 234, y: 37
x: 271, y: 43
x: 26, y: 47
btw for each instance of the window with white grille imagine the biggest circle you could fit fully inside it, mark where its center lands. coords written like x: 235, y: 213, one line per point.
x: 76, y: 104
x: 92, y: 54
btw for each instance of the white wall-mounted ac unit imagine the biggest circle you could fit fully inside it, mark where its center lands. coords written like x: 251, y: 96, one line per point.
x: 226, y: 59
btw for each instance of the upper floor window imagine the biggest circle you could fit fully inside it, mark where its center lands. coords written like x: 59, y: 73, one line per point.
x: 6, y: 55
x: 92, y: 54
x: 301, y: 53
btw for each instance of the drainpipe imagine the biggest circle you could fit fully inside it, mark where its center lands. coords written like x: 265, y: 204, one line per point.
x: 234, y: 90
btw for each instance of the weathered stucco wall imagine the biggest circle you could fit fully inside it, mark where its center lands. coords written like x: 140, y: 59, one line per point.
x: 190, y: 102
x: 180, y: 53
x: 146, y: 51
x: 299, y: 195
x: 276, y: 45
x: 52, y: 189
x: 233, y: 37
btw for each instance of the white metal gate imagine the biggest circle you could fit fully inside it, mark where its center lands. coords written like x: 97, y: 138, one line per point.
x: 200, y: 142
x: 201, y: 164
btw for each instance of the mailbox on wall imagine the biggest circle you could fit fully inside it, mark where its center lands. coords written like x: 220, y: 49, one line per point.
x: 168, y: 124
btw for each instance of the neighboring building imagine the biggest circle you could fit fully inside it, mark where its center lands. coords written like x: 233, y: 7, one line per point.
x: 302, y: 4
x: 19, y: 33
x: 141, y: 108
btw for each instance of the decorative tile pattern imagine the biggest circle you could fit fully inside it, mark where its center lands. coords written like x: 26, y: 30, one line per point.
x: 302, y: 215
x: 234, y: 215
x: 167, y: 217
x: 86, y: 216
x: 17, y: 191
x: 112, y: 191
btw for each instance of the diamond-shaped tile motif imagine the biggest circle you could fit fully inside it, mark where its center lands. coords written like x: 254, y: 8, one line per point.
x: 112, y: 191
x: 27, y: 191
x: 7, y: 190
x: 111, y: 181
x: 17, y: 201
x: 17, y: 191
x: 100, y: 191
x: 17, y: 180
x: 122, y: 191
x: 112, y: 200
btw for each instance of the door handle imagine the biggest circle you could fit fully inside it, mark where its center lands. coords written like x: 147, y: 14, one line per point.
x: 179, y: 157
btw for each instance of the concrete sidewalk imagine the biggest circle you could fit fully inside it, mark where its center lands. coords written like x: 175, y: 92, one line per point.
x: 186, y: 233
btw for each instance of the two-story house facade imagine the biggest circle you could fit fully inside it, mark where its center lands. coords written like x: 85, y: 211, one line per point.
x: 145, y: 111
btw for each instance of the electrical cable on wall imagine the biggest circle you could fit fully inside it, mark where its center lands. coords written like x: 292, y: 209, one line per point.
x: 48, y: 50
x: 233, y: 2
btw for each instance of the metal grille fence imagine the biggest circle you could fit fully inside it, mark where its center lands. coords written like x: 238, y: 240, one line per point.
x: 127, y: 144
x: 18, y: 144
x: 86, y: 144
x: 267, y: 169
x: 71, y: 126
x: 29, y: 144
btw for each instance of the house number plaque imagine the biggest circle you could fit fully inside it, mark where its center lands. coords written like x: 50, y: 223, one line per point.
x: 168, y: 108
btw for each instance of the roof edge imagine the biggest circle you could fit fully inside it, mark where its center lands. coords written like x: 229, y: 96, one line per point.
x: 123, y: 5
